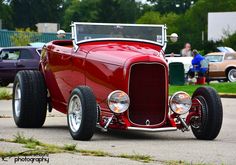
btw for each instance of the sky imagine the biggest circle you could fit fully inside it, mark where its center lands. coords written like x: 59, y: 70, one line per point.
x: 143, y: 1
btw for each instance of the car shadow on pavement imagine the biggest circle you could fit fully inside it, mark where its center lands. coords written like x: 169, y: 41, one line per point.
x: 128, y: 135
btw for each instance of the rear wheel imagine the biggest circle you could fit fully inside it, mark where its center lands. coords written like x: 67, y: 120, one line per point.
x: 210, y: 120
x: 82, y: 113
x: 232, y: 75
x: 29, y: 101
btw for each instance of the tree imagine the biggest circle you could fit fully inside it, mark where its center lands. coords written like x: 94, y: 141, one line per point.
x: 176, y: 6
x: 23, y: 37
x: 171, y: 20
x: 113, y: 11
x: 82, y: 11
x: 230, y: 41
x: 5, y: 15
x: 26, y: 13
x: 153, y: 17
x: 120, y: 11
x: 191, y: 24
x: 194, y: 21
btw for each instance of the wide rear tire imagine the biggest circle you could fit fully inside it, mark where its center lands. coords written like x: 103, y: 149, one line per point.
x: 29, y: 101
x: 211, y: 114
x: 82, y: 113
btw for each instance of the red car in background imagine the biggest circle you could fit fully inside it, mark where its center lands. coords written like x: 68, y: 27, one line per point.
x: 14, y: 59
x: 113, y: 76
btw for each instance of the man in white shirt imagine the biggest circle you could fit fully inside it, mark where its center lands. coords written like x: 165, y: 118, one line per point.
x: 186, y: 51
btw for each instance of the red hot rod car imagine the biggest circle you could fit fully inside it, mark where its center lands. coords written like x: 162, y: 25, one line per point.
x: 113, y: 76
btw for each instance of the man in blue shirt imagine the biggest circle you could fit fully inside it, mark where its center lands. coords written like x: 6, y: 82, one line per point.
x: 200, y: 65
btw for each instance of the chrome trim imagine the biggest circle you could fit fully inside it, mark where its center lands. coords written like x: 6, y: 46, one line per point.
x: 118, y: 39
x: 75, y: 46
x: 108, y: 122
x: 166, y: 87
x: 75, y: 113
x: 17, y: 100
x: 119, y: 24
x: 73, y: 34
x: 37, y: 51
x: 109, y: 98
x: 186, y: 127
x: 176, y: 93
x: 165, y: 39
x: 147, y: 122
x: 231, y: 74
x: 163, y: 129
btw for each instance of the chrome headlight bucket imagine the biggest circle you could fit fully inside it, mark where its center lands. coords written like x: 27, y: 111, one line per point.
x: 180, y: 103
x: 118, y: 101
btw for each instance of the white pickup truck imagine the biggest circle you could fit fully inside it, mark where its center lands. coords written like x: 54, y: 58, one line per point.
x: 187, y: 61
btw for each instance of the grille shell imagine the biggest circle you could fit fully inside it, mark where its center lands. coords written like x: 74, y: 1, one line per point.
x: 147, y: 91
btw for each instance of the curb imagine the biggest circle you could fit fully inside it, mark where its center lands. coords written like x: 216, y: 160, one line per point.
x: 224, y: 95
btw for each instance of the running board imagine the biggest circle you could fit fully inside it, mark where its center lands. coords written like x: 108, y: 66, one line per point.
x: 152, y: 129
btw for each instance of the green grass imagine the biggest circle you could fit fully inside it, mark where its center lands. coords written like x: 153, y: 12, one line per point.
x: 20, y: 138
x: 137, y: 157
x: 36, y: 147
x: 25, y: 153
x: 5, y: 94
x: 222, y: 88
x: 70, y: 147
x: 94, y: 153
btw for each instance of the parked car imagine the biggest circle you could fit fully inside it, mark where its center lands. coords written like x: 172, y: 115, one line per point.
x: 222, y: 66
x: 37, y: 44
x: 113, y: 76
x: 186, y: 61
x: 225, y: 49
x: 14, y: 59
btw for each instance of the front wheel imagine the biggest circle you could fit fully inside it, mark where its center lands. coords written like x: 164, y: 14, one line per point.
x: 82, y: 113
x: 211, y: 115
x: 232, y: 75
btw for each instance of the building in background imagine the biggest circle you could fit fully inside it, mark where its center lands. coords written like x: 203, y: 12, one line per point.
x: 47, y: 27
x: 221, y: 23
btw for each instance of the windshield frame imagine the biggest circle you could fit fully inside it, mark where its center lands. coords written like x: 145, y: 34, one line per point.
x: 76, y: 42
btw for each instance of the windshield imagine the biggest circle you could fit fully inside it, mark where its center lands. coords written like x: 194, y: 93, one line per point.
x: 214, y: 58
x: 85, y: 31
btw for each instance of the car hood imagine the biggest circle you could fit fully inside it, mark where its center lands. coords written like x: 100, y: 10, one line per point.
x: 119, y: 52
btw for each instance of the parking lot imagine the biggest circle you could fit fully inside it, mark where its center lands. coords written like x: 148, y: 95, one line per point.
x: 161, y: 147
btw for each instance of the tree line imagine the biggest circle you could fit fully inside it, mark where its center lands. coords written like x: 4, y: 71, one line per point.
x: 188, y: 18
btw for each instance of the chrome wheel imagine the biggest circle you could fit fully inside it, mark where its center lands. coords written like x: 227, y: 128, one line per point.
x: 17, y: 100
x: 232, y: 75
x: 75, y: 113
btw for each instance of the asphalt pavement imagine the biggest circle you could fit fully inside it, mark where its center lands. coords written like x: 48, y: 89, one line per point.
x: 162, y: 146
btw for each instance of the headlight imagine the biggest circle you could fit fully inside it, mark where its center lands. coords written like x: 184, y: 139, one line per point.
x: 180, y: 103
x: 118, y: 101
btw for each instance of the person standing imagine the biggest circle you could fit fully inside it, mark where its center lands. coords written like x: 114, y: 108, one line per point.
x: 186, y: 51
x: 61, y: 34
